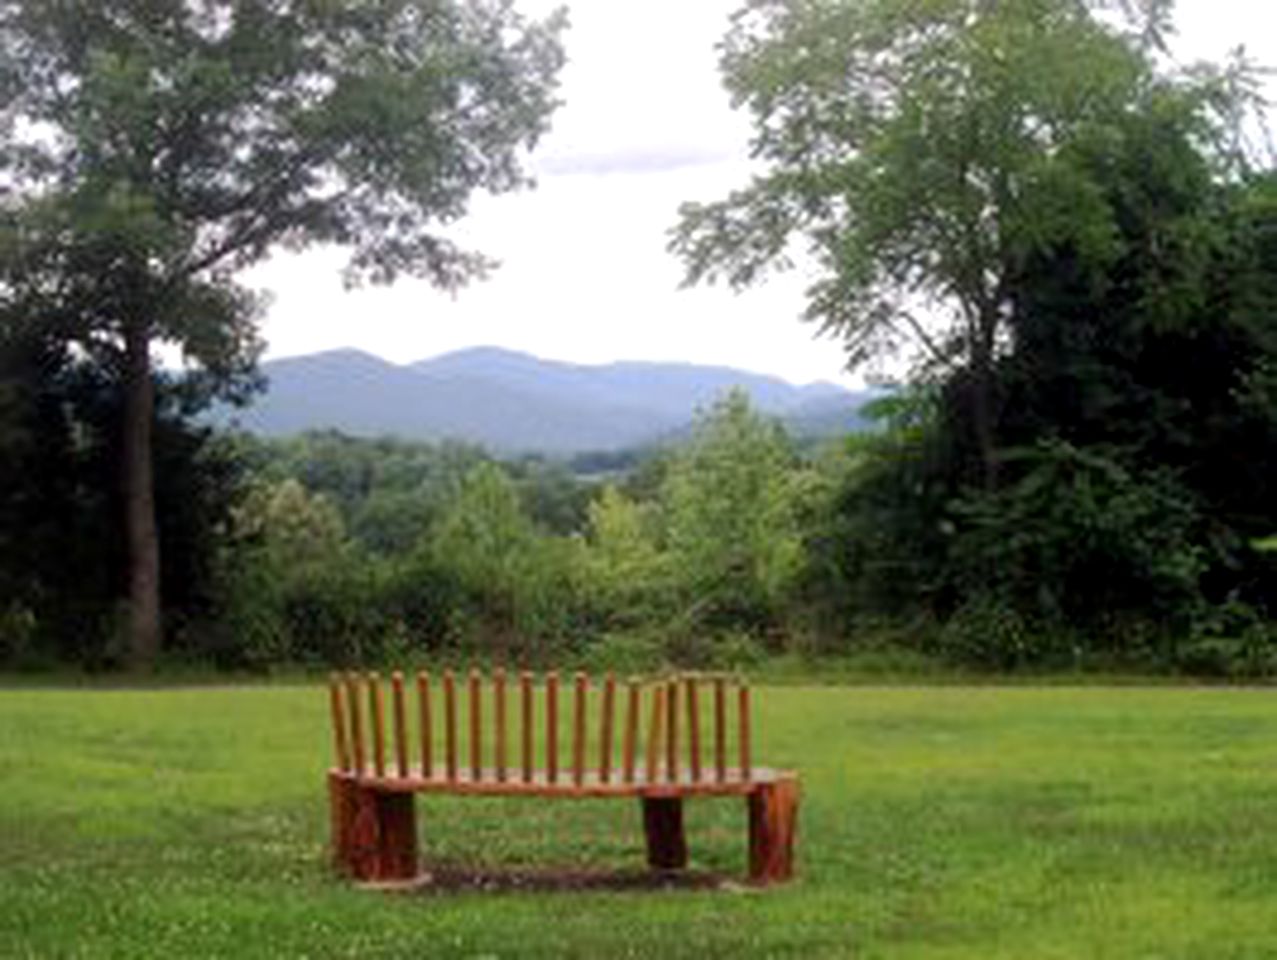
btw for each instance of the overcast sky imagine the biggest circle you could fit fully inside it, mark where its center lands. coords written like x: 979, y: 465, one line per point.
x: 585, y: 277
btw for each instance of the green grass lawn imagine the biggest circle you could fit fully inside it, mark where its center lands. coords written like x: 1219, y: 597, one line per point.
x: 939, y: 822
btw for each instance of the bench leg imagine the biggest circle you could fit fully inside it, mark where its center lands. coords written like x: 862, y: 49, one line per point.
x: 663, y: 826
x: 350, y: 840
x: 374, y: 833
x: 773, y: 819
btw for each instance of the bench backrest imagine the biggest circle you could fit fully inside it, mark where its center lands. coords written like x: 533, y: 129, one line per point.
x: 651, y: 752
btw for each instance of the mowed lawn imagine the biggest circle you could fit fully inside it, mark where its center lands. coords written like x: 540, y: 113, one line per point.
x: 942, y: 822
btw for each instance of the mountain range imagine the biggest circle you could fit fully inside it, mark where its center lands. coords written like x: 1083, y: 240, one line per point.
x: 513, y: 402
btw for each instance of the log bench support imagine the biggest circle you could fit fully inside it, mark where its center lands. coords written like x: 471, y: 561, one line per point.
x: 773, y: 822
x: 374, y: 832
x: 663, y: 827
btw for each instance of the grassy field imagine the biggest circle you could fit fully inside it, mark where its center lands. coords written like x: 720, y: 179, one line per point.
x: 937, y: 822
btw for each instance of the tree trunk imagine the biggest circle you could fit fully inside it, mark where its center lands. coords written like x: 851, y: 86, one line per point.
x: 139, y: 499
x: 982, y: 416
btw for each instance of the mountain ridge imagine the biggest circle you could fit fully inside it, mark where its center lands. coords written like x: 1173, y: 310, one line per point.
x: 513, y: 402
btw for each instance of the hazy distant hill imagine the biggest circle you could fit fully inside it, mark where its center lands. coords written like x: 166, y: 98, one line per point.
x: 512, y: 402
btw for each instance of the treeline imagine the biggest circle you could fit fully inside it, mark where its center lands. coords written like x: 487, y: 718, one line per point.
x: 330, y: 550
x: 348, y: 551
x: 1128, y: 511
x: 326, y: 549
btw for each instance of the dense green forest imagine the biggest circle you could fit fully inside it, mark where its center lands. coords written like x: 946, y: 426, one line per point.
x: 1070, y: 245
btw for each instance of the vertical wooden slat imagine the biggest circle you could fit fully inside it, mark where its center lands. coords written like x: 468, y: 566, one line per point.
x: 745, y: 768
x: 578, y: 729
x: 450, y: 724
x: 605, y: 728
x: 340, y: 741
x: 401, y: 726
x: 720, y: 729
x: 424, y: 725
x: 552, y: 727
x: 476, y: 726
x: 693, y: 728
x: 671, y: 735
x: 356, y: 720
x: 378, y: 722
x: 525, y: 703
x: 498, y: 711
x: 630, y: 737
x: 654, y: 732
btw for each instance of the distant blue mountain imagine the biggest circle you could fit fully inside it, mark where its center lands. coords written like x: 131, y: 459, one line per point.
x: 512, y: 402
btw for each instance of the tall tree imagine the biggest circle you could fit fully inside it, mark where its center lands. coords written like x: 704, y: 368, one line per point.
x: 152, y: 148
x: 923, y: 151
x: 731, y: 525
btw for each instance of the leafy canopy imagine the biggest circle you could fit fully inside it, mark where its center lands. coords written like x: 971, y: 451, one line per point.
x: 152, y: 147
x: 922, y: 150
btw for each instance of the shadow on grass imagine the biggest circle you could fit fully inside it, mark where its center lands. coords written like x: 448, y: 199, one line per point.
x: 454, y: 879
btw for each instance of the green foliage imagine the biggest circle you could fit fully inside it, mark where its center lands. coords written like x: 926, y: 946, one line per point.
x: 632, y: 654
x: 924, y: 153
x: 692, y: 565
x: 629, y: 576
x: 152, y: 149
x: 731, y: 528
x: 389, y: 491
x: 1072, y: 238
x: 287, y: 547
x: 553, y: 497
x: 295, y: 589
x: 205, y: 135
x: 920, y: 152
x: 1077, y: 542
x: 519, y: 586
x: 61, y: 532
x: 17, y: 632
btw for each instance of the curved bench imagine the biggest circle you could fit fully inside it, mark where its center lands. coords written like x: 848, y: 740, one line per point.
x: 373, y: 816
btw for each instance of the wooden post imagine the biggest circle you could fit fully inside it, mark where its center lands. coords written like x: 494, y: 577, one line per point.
x: 423, y: 721
x: 356, y: 721
x: 343, y: 805
x: 396, y: 836
x: 630, y: 739
x: 498, y: 709
x: 476, y: 727
x: 578, y: 729
x: 374, y: 832
x: 605, y: 729
x: 720, y: 729
x: 552, y: 727
x: 693, y: 729
x: 525, y: 703
x: 340, y: 741
x: 663, y: 828
x: 377, y: 719
x: 401, y: 726
x: 654, y: 733
x: 773, y: 823
x: 450, y: 725
x: 671, y: 742
x: 745, y: 764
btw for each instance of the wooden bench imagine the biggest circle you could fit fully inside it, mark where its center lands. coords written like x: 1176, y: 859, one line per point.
x: 373, y: 818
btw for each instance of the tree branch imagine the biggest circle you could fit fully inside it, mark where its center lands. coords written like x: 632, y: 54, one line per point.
x: 920, y: 332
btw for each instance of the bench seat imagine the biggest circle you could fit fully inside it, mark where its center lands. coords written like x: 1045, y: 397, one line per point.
x: 487, y: 784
